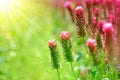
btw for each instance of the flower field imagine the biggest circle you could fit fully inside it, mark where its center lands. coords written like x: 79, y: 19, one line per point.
x: 59, y: 39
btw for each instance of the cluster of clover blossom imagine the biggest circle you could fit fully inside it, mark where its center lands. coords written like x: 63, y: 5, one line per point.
x: 98, y: 21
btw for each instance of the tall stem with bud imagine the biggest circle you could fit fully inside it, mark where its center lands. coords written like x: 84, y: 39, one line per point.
x: 66, y: 44
x: 54, y: 56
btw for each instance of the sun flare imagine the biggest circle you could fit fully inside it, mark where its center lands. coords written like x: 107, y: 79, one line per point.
x: 6, y: 5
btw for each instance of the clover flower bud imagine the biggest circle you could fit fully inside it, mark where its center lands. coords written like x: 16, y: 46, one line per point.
x: 54, y: 54
x: 91, y: 44
x: 66, y: 45
x: 79, y: 12
x: 65, y: 36
x: 106, y: 60
x: 52, y: 44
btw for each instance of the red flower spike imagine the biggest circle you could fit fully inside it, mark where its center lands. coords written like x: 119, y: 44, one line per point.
x: 65, y: 36
x: 108, y: 28
x: 91, y: 43
x: 79, y: 11
x: 80, y: 21
x: 96, y: 12
x: 106, y: 60
x: 109, y: 40
x: 52, y: 44
x: 100, y: 25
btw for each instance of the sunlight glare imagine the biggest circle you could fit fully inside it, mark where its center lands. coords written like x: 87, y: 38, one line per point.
x: 6, y: 5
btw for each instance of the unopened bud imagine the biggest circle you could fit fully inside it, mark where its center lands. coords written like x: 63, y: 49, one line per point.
x: 106, y: 60
x: 91, y: 44
x: 52, y: 44
x: 65, y: 36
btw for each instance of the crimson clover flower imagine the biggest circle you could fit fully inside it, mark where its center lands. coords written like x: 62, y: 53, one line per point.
x: 109, y: 40
x: 80, y: 22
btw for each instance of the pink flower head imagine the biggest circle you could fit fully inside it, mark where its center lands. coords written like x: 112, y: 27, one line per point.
x: 79, y: 11
x: 91, y: 43
x: 100, y: 25
x: 96, y: 11
x: 108, y: 28
x: 68, y: 4
x: 94, y: 21
x: 106, y: 60
x: 65, y: 35
x: 88, y: 2
x: 52, y: 44
x: 96, y: 2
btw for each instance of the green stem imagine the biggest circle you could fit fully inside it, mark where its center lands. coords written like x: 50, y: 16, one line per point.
x: 73, y: 71
x: 86, y: 48
x: 58, y: 74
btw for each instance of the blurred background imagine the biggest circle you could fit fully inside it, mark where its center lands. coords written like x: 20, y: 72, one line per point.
x: 26, y: 26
